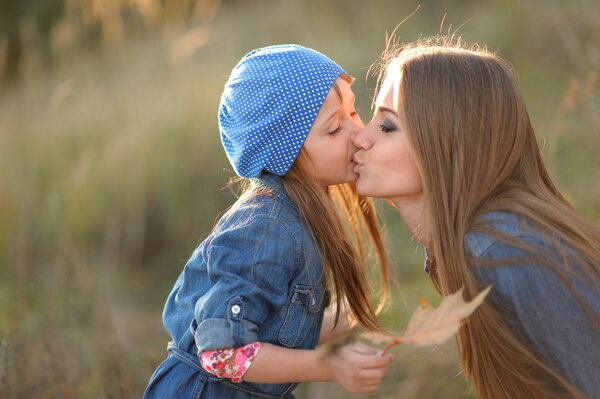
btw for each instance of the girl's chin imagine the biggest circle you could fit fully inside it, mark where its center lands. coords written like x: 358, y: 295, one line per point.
x: 352, y: 177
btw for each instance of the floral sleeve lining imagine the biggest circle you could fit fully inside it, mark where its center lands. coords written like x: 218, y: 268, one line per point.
x: 229, y: 362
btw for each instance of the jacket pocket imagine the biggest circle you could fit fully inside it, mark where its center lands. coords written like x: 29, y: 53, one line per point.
x: 305, y: 306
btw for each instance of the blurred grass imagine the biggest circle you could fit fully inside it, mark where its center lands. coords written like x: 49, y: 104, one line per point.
x: 111, y: 172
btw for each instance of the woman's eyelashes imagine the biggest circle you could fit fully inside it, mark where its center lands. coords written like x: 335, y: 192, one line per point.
x: 387, y: 126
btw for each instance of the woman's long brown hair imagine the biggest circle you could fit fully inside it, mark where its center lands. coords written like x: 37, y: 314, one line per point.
x: 477, y: 152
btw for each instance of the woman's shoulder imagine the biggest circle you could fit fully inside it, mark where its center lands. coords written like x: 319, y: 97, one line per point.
x: 491, y: 230
x: 510, y: 253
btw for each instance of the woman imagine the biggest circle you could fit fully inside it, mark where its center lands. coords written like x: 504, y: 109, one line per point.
x: 452, y: 146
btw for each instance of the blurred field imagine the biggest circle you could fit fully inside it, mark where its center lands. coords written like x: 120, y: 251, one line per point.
x: 111, y: 168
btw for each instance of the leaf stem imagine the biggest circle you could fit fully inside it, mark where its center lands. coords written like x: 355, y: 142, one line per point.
x: 387, y: 348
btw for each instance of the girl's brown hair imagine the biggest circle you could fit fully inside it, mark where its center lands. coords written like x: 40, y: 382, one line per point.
x: 477, y: 152
x: 343, y: 224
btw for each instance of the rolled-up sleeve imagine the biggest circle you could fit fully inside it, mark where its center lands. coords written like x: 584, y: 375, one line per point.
x: 249, y: 266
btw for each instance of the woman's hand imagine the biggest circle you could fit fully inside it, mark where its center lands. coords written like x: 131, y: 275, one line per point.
x: 358, y: 367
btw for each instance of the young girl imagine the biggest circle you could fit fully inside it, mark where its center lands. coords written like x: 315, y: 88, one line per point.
x: 246, y: 313
x: 452, y: 146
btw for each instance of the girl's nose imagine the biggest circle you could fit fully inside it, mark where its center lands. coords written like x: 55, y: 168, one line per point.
x: 357, y: 124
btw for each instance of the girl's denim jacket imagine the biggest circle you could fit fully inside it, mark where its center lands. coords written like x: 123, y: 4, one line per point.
x: 256, y: 277
x: 539, y: 307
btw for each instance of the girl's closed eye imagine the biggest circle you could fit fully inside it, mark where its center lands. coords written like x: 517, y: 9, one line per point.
x: 336, y: 129
x: 387, y: 126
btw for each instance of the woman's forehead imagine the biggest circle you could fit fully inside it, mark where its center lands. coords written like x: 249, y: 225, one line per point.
x: 389, y: 94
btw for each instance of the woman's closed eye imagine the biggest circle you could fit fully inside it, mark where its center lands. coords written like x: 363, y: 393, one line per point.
x: 387, y: 126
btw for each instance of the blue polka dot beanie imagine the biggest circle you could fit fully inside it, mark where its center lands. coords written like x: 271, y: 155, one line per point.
x: 269, y: 105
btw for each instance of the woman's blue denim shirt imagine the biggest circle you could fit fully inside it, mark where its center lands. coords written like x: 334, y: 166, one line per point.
x: 539, y: 307
x: 256, y: 277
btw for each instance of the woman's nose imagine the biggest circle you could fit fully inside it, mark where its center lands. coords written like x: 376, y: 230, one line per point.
x: 360, y: 139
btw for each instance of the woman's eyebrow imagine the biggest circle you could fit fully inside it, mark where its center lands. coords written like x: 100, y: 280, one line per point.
x: 391, y: 111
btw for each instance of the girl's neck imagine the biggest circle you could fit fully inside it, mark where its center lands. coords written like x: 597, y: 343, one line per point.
x: 411, y: 211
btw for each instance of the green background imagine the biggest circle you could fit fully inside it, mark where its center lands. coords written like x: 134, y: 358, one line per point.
x: 112, y: 171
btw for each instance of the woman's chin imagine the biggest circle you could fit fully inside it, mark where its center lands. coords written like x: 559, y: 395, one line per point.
x: 362, y: 187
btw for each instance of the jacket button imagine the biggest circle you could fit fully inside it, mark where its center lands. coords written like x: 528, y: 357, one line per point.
x: 235, y: 309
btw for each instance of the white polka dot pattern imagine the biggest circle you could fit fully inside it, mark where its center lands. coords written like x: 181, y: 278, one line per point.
x: 269, y: 105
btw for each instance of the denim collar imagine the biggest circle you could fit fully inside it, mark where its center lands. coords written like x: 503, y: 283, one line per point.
x: 274, y: 182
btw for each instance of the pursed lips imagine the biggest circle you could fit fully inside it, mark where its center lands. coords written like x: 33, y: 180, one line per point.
x: 357, y: 163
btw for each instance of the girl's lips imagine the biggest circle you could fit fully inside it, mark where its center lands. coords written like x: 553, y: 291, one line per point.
x: 357, y: 164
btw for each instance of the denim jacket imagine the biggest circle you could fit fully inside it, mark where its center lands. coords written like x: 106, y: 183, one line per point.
x: 256, y: 277
x: 538, y: 306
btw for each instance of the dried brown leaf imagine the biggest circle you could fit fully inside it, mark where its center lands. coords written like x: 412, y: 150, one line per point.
x: 432, y: 326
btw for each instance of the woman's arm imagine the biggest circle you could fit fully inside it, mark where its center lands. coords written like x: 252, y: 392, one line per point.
x: 357, y: 367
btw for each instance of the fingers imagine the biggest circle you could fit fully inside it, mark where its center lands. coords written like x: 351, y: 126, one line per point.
x: 360, y: 368
x: 366, y: 357
x: 368, y: 380
x: 363, y: 349
x: 366, y: 389
x: 359, y: 347
x: 376, y: 360
x: 373, y: 375
x: 371, y: 357
x: 373, y: 369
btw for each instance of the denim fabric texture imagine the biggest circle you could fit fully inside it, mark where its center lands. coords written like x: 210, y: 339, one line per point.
x: 540, y: 308
x: 256, y: 277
